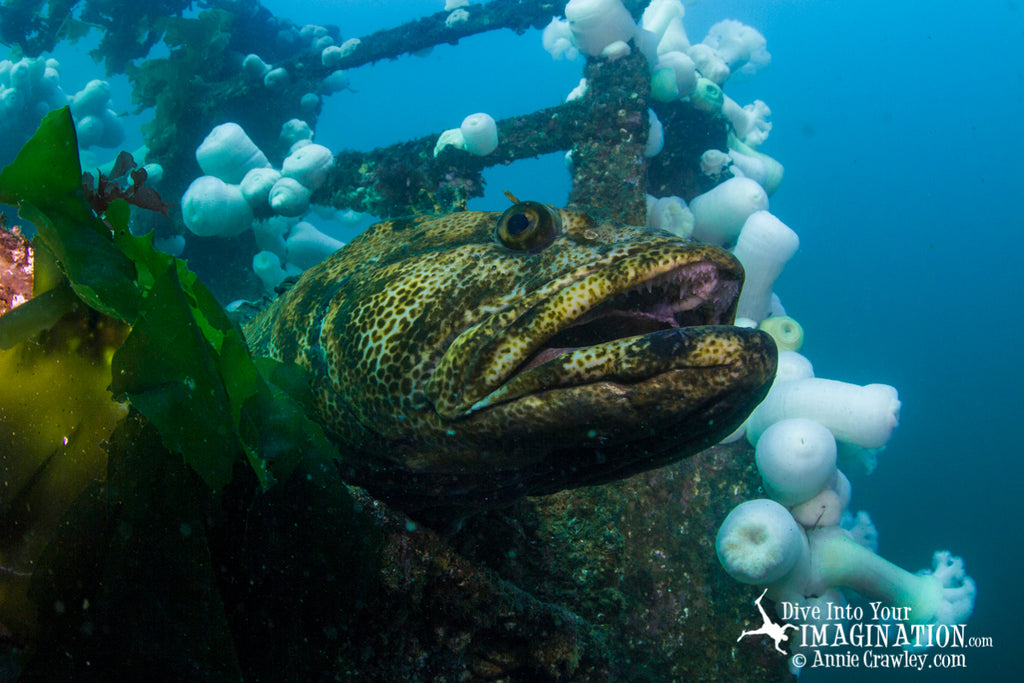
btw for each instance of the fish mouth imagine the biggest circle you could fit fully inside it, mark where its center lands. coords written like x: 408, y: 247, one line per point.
x: 628, y: 322
x: 690, y: 295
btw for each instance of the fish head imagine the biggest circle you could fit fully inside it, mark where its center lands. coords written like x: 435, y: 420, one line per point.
x: 474, y: 358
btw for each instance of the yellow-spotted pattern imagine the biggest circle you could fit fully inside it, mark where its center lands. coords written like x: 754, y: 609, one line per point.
x: 451, y: 367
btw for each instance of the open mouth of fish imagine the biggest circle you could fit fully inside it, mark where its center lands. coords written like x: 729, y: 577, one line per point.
x: 625, y: 323
x: 688, y: 296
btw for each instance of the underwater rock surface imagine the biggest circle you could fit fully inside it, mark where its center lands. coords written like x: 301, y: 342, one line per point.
x: 315, y: 580
x: 610, y: 583
x: 635, y: 560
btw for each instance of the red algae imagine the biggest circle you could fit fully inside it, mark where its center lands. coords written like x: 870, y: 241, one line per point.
x: 15, y: 269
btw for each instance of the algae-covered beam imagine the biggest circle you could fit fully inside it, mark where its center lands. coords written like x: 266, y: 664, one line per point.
x: 606, y: 130
x: 448, y: 28
x: 407, y: 178
x: 33, y: 25
x: 609, y: 167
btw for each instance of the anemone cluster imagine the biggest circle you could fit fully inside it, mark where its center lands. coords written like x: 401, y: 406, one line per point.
x: 30, y: 87
x: 241, y: 190
x: 318, y: 40
x: 800, y: 541
x: 693, y: 73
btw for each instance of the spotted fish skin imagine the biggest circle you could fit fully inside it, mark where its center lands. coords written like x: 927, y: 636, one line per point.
x: 457, y: 369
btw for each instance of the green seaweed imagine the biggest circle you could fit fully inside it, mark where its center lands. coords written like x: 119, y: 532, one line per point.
x: 178, y: 84
x: 131, y: 564
x: 34, y: 316
x: 132, y: 560
x: 35, y: 26
x: 128, y: 35
x: 184, y: 366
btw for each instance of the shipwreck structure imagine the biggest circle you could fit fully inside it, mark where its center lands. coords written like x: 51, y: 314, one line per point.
x: 316, y: 581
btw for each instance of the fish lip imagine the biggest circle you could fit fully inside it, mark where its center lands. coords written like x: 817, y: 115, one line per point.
x: 689, y: 296
x: 700, y: 352
x: 508, y: 363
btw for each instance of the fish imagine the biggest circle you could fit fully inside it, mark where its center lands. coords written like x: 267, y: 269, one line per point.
x: 462, y: 361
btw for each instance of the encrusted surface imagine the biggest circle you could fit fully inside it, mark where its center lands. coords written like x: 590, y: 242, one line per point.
x: 636, y: 559
x: 612, y: 583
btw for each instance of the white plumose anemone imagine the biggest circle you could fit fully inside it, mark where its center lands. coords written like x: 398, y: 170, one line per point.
x: 288, y: 197
x: 228, y: 153
x: 861, y: 415
x: 721, y: 211
x: 596, y: 24
x: 479, y: 134
x: 764, y: 246
x: 210, y: 207
x: 760, y: 543
x: 796, y: 459
x: 309, y: 165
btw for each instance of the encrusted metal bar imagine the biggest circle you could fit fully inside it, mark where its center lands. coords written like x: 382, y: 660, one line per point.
x: 609, y: 167
x: 606, y: 130
x: 407, y: 178
x: 426, y: 32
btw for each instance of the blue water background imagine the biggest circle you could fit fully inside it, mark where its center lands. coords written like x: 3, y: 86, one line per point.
x: 899, y: 126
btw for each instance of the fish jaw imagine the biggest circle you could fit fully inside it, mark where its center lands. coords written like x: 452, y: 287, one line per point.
x: 703, y: 362
x: 591, y: 327
x: 581, y: 434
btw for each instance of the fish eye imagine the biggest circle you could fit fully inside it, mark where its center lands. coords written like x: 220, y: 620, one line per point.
x: 528, y: 226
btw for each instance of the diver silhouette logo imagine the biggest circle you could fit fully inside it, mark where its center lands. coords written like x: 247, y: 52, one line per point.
x: 776, y: 632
